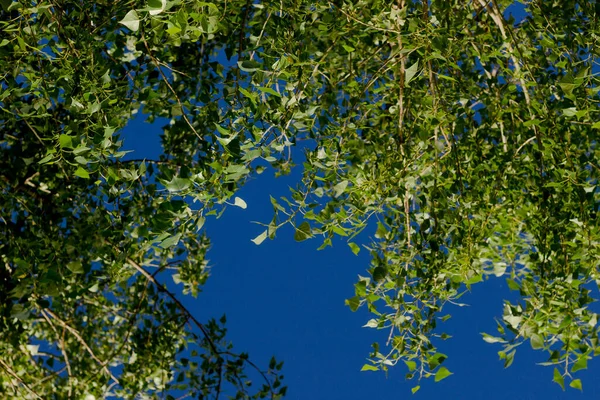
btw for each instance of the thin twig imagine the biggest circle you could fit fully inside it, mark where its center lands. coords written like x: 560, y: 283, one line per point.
x: 33, y: 130
x: 525, y: 143
x: 364, y: 23
x: 158, y: 64
x: 188, y: 314
x: 74, y: 332
x: 62, y: 349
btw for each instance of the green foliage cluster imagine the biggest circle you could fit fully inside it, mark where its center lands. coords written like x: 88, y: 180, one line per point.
x: 468, y: 139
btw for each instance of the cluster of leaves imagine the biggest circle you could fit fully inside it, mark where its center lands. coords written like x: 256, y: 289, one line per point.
x: 468, y: 139
x: 471, y: 141
x: 88, y: 237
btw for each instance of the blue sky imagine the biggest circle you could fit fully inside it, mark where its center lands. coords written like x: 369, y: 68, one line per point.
x: 286, y: 299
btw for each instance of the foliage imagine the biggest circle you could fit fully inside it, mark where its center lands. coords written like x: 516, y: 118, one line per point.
x: 467, y: 138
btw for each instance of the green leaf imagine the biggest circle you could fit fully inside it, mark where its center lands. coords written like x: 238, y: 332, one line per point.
x: 249, y: 65
x: 372, y: 323
x: 512, y: 285
x: 576, y: 384
x: 369, y: 367
x: 491, y: 339
x: 379, y: 273
x: 240, y: 203
x: 268, y: 90
x: 353, y: 303
x: 170, y: 241
x: 580, y: 364
x: 536, y: 341
x: 415, y: 389
x: 558, y: 378
x: 46, y: 159
x: 442, y: 373
x: 410, y: 72
x: 82, y: 173
x: 156, y: 7
x: 178, y: 184
x: 509, y: 358
x: 436, y: 359
x: 303, y: 232
x: 411, y: 365
x: 340, y: 188
x: 75, y: 267
x: 131, y: 21
x: 65, y: 141
x: 260, y: 238
x: 354, y: 247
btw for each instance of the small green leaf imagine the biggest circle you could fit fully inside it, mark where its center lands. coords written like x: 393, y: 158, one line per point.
x: 178, y: 184
x: 80, y: 149
x: 576, y: 384
x: 415, y: 389
x: 65, y: 141
x: 491, y: 339
x: 509, y: 358
x: 369, y: 367
x: 372, y: 323
x: 46, y: 159
x: 303, y: 232
x: 240, y: 203
x: 170, y: 241
x: 580, y: 364
x: 536, y: 341
x: 131, y: 20
x: 260, y: 238
x: 410, y: 72
x: 512, y: 285
x: 379, y: 273
x: 156, y: 7
x: 442, y: 373
x: 411, y: 365
x: 249, y: 65
x: 268, y: 90
x: 436, y: 360
x: 340, y: 188
x: 75, y: 267
x: 558, y: 378
x: 354, y: 247
x: 381, y: 231
x: 353, y: 303
x: 82, y: 173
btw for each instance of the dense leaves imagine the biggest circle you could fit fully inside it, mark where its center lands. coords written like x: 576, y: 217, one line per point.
x: 463, y: 140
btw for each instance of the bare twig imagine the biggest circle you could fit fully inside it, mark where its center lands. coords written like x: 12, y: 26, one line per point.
x: 62, y: 348
x: 33, y: 130
x: 188, y: 315
x: 74, y: 332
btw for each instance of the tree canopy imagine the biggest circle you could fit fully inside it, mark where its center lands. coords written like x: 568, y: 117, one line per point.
x: 466, y: 139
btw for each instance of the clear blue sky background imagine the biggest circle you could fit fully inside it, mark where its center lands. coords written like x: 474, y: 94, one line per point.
x: 286, y: 299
